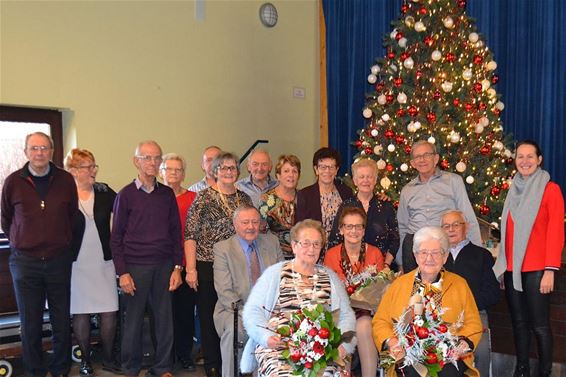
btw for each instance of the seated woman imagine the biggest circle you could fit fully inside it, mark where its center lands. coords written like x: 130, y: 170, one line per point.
x: 431, y: 251
x: 278, y: 205
x: 284, y: 288
x: 349, y: 259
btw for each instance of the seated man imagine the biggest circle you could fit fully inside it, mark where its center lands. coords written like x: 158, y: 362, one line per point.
x: 238, y: 263
x: 473, y: 263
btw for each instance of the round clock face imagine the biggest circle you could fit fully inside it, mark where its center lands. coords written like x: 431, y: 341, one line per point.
x: 268, y: 14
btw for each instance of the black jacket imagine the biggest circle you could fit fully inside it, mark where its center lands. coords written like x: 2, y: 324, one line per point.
x: 308, y: 201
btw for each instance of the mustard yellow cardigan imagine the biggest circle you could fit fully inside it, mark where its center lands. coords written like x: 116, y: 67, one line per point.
x: 456, y: 296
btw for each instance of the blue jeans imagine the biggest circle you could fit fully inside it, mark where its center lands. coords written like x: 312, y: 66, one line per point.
x: 36, y: 280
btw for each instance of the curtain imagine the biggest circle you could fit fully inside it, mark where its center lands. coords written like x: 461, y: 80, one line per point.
x: 527, y: 37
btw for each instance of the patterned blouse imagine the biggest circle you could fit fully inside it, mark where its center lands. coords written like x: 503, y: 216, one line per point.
x: 209, y: 220
x: 329, y: 205
x: 280, y: 217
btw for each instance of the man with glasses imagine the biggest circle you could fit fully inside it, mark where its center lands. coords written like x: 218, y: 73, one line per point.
x: 238, y: 263
x: 428, y: 196
x: 148, y: 255
x: 259, y: 181
x: 473, y: 263
x: 38, y: 204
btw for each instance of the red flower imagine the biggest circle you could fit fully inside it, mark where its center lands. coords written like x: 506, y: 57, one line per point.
x: 318, y: 348
x: 431, y: 358
x: 296, y: 356
x: 308, y: 365
x: 313, y: 332
x: 442, y: 328
x: 324, y: 333
x: 422, y: 332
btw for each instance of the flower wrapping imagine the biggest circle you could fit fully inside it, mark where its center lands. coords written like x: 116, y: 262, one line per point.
x: 367, y: 288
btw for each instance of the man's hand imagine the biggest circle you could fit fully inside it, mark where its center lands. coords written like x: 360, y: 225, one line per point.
x: 192, y: 279
x: 127, y: 284
x: 175, y: 280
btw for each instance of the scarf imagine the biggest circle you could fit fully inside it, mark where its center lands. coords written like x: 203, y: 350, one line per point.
x: 523, y: 201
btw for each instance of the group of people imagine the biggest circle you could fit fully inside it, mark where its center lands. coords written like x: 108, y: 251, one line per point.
x: 261, y: 247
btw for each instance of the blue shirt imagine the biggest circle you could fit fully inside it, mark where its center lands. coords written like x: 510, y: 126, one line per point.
x: 248, y: 254
x: 249, y: 187
x: 456, y: 249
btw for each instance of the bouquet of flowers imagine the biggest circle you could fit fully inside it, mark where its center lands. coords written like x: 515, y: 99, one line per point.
x: 312, y: 339
x: 366, y: 288
x: 428, y: 341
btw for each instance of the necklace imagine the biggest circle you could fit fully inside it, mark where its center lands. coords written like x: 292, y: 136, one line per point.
x: 298, y: 279
x: 83, y: 209
x: 224, y: 202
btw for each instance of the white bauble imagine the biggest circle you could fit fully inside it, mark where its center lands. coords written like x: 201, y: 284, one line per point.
x: 431, y: 140
x: 367, y: 113
x: 491, y: 66
x: 484, y: 121
x: 378, y: 150
x: 391, y: 148
x: 420, y: 27
x: 393, y: 68
x: 436, y: 55
x: 411, y: 127
x: 402, y: 98
x: 498, y: 145
x: 381, y: 164
x: 402, y: 42
x: 409, y: 63
x: 372, y: 79
x: 479, y: 44
x: 473, y: 37
x: 491, y: 93
x: 385, y: 182
x: 385, y: 117
x: 404, y: 167
x: 485, y: 84
x: 499, y: 106
x: 448, y: 22
x: 454, y: 137
x: 375, y: 69
x: 374, y: 132
x: 417, y: 125
x: 409, y: 21
x: 478, y: 128
x: 507, y: 153
x: 447, y: 86
x: 393, y: 34
x: 469, y: 179
x: 382, y: 99
x: 467, y: 74
x: 461, y: 167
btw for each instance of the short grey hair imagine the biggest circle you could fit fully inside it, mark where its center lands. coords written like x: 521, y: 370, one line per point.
x: 429, y: 233
x: 224, y: 156
x: 455, y: 212
x: 243, y: 207
x: 423, y: 142
x: 173, y: 157
x: 39, y: 133
x: 147, y: 142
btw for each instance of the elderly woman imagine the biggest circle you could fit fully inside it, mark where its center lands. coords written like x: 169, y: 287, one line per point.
x: 321, y: 200
x: 172, y: 171
x: 430, y: 248
x: 93, y: 280
x: 284, y: 288
x: 278, y: 205
x: 209, y: 221
x: 532, y: 239
x: 348, y: 259
x: 381, y: 229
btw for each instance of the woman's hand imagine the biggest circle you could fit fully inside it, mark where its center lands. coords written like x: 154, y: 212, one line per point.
x: 192, y: 279
x: 274, y: 342
x: 342, y: 352
x: 395, y: 349
x: 462, y: 349
x: 547, y: 282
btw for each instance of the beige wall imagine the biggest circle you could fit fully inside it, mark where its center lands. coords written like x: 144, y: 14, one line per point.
x: 132, y: 70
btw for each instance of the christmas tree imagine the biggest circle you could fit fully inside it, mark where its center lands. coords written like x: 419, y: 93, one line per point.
x: 437, y: 83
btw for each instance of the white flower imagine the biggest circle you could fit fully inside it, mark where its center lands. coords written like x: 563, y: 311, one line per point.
x: 419, y: 322
x: 270, y: 200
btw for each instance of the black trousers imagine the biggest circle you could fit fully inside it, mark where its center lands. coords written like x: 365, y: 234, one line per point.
x: 407, y: 256
x: 206, y: 301
x: 184, y: 299
x: 34, y: 281
x: 449, y: 370
x: 530, y: 311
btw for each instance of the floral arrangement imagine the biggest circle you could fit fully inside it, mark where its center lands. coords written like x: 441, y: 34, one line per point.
x: 312, y: 339
x: 428, y: 341
x: 366, y: 288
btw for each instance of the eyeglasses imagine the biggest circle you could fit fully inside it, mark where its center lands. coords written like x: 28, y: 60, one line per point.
x: 173, y: 170
x: 88, y: 167
x: 353, y: 226
x: 149, y: 158
x: 326, y: 167
x: 308, y: 243
x: 455, y: 225
x: 435, y: 254
x: 248, y: 222
x: 424, y: 156
x: 39, y: 148
x: 228, y: 168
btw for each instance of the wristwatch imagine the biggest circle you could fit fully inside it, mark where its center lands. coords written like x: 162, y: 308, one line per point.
x: 179, y: 267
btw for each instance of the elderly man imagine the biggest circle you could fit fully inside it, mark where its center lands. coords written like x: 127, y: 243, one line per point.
x: 259, y: 181
x: 147, y: 255
x: 209, y: 154
x: 38, y: 204
x: 425, y: 198
x: 238, y: 262
x: 474, y: 264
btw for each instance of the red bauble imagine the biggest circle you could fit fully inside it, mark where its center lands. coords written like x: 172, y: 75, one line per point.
x: 391, y: 55
x: 428, y: 40
x: 431, y: 117
x: 496, y: 111
x: 358, y: 144
x: 482, y: 106
x: 368, y: 151
x: 469, y: 106
x: 422, y: 332
x: 418, y: 74
x: 494, y: 79
x: 484, y: 210
x: 396, y: 204
x: 389, y: 168
x: 495, y: 191
x: 456, y: 102
x: 477, y: 87
x: 444, y: 164
x: 436, y: 95
x: 389, y: 134
x: 413, y: 111
x: 404, y: 8
x: 450, y: 57
x: 407, y: 149
x: 404, y: 56
x: 400, y: 139
x: 431, y: 358
x: 379, y: 86
x: 478, y: 59
x: 397, y: 81
x: 509, y: 161
x: 462, y: 3
x: 485, y: 150
x: 422, y: 11
x: 389, y: 98
x: 400, y: 113
x: 505, y: 186
x: 399, y: 35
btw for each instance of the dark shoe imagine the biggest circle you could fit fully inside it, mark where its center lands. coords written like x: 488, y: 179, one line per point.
x: 188, y: 365
x: 199, y: 358
x: 213, y: 372
x: 522, y: 371
x: 86, y: 369
x: 111, y: 366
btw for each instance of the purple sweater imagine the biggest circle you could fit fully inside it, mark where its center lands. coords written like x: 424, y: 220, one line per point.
x: 146, y: 228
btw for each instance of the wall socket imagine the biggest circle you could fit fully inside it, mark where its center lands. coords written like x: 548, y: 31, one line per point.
x: 299, y: 92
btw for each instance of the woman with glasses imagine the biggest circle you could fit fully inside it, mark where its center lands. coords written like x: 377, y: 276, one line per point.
x: 430, y: 286
x: 349, y: 259
x: 209, y: 221
x: 284, y: 288
x: 278, y: 205
x: 532, y: 240
x: 381, y: 229
x: 93, y: 279
x: 321, y: 200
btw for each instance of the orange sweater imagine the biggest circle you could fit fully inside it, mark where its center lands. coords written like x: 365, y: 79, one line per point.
x: 546, y: 241
x: 332, y: 260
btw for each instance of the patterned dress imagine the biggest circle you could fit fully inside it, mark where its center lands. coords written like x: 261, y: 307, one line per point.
x: 280, y: 217
x: 294, y: 293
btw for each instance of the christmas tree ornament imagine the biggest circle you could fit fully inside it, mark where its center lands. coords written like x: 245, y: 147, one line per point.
x: 393, y: 34
x: 400, y: 139
x: 407, y: 149
x: 444, y: 164
x: 397, y: 81
x: 385, y: 182
x: 389, y: 133
x: 484, y: 210
x: 431, y: 117
x: 411, y: 127
x: 391, y: 148
x: 484, y: 121
x: 448, y: 22
x: 368, y: 151
x: 469, y: 106
x: 505, y: 186
x: 478, y: 128
x: 494, y: 79
x: 418, y: 125
x: 450, y: 57
x: 456, y: 102
x: 495, y: 191
x: 478, y: 59
x: 498, y: 145
x: 400, y: 113
x: 436, y: 55
x: 372, y: 78
x: 382, y: 99
x: 467, y: 74
x: 385, y: 117
x: 485, y: 84
x: 409, y: 63
x: 473, y: 37
x: 507, y: 153
x: 409, y: 21
x: 447, y: 86
x: 491, y: 93
x: 436, y: 95
x: 422, y: 11
x: 374, y: 132
x: 485, y: 150
x: 392, y: 68
x: 375, y: 69
x: 461, y: 167
x: 491, y: 66
x: 509, y: 161
x: 404, y: 167
x: 420, y: 27
x: 390, y: 55
x: 499, y: 106
x: 389, y: 168
x: 378, y: 150
x: 428, y: 40
x: 477, y: 87
x: 358, y: 144
x: 431, y: 140
x: 402, y: 98
x: 367, y: 113
x: 402, y: 42
x: 454, y: 137
x: 418, y: 74
x: 389, y: 98
x: 381, y: 164
x: 413, y: 111
x: 482, y: 106
x: 404, y: 8
x: 469, y: 179
x: 398, y: 36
